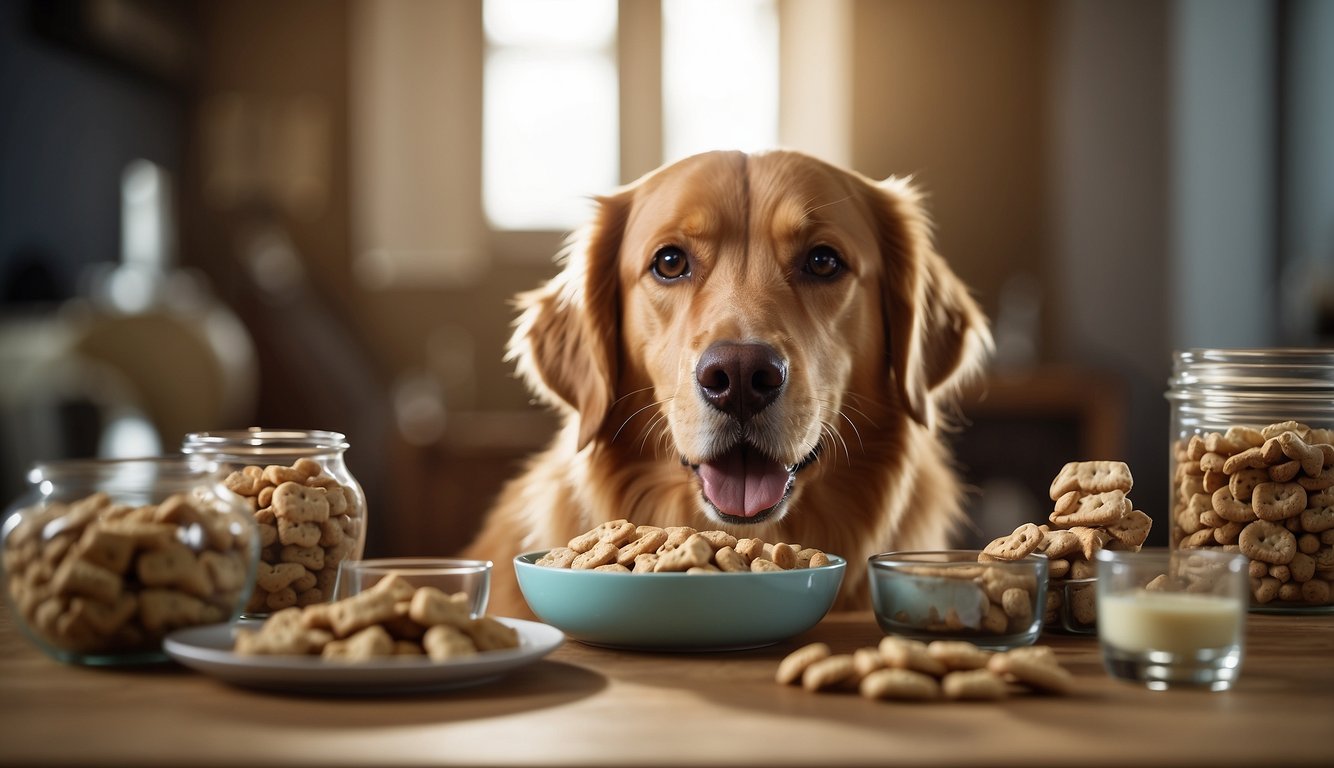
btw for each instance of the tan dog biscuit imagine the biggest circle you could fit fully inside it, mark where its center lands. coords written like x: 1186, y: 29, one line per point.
x: 560, y: 557
x: 1285, y: 472
x: 106, y: 549
x: 729, y: 560
x: 792, y: 666
x: 750, y: 548
x: 1268, y: 542
x: 765, y: 565
x: 1318, y: 519
x: 1230, y: 508
x: 649, y: 541
x: 162, y: 610
x: 373, y: 606
x: 903, y: 653
x: 1278, y: 501
x: 782, y: 555
x: 1132, y: 529
x: 1019, y: 544
x: 1243, y: 483
x: 973, y: 685
x: 1251, y: 458
x: 300, y: 503
x: 615, y: 532
x: 369, y: 643
x: 899, y: 685
x: 645, y: 563
x: 443, y: 642
x: 1291, y: 445
x: 719, y: 539
x: 299, y: 534
x: 1018, y: 606
x: 1089, y: 510
x: 1092, y: 477
x: 489, y: 634
x: 617, y: 568
x: 867, y: 660
x: 79, y: 577
x: 1058, y: 544
x: 174, y: 566
x: 828, y: 672
x: 1091, y: 540
x: 1319, y: 482
x: 431, y: 606
x: 677, y: 535
x: 958, y: 654
x: 601, y: 553
x: 694, y: 551
x: 1038, y: 672
x: 311, y: 558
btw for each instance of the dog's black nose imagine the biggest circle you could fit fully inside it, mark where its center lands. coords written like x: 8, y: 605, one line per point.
x: 740, y: 379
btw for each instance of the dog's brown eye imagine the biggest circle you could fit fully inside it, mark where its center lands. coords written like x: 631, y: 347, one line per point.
x: 823, y: 261
x: 670, y: 263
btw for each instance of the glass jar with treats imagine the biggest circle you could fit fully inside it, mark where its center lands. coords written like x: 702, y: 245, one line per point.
x: 1252, y: 458
x: 310, y: 510
x: 103, y: 558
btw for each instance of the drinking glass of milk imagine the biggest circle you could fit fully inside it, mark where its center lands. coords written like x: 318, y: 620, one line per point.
x: 1173, y: 618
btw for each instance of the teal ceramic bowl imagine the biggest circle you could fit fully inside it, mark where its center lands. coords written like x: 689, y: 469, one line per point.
x: 679, y: 611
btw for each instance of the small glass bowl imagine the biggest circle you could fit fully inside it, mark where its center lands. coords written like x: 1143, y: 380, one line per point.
x: 951, y: 595
x: 1072, y: 606
x: 449, y: 575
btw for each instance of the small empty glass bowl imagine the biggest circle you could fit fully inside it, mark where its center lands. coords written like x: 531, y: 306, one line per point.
x: 950, y: 595
x: 448, y: 574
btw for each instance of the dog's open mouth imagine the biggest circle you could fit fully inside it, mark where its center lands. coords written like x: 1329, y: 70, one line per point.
x: 746, y: 486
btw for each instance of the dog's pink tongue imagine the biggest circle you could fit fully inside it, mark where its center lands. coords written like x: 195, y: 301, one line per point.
x: 743, y: 482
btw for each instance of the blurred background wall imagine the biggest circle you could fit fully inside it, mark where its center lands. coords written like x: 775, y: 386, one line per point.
x: 223, y: 213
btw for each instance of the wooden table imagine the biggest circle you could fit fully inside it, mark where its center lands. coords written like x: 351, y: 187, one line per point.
x: 586, y: 706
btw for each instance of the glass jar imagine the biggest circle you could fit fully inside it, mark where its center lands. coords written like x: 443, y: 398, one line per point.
x: 310, y: 510
x: 104, y: 558
x: 1252, y: 457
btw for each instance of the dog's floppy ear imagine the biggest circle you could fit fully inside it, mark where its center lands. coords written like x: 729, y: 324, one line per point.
x: 566, y: 339
x: 938, y: 336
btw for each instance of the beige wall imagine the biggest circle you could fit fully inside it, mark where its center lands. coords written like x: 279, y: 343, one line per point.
x: 953, y: 93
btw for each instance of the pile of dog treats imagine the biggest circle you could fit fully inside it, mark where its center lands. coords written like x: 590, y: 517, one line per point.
x: 902, y: 669
x: 390, y: 619
x: 622, y: 547
x: 1092, y: 510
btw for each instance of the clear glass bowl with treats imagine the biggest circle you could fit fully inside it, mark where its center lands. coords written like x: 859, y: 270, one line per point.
x: 310, y: 510
x: 104, y: 558
x: 959, y: 595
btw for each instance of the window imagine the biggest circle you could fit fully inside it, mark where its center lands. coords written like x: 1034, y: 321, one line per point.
x: 550, y: 110
x: 719, y: 76
x: 542, y: 104
x: 552, y: 116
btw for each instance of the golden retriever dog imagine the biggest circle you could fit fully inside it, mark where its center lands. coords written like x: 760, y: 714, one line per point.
x: 763, y: 344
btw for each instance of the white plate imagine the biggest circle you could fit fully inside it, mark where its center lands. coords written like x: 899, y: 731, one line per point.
x: 208, y: 649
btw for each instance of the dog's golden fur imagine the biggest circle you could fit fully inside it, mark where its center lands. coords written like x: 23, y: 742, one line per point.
x: 869, y: 330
